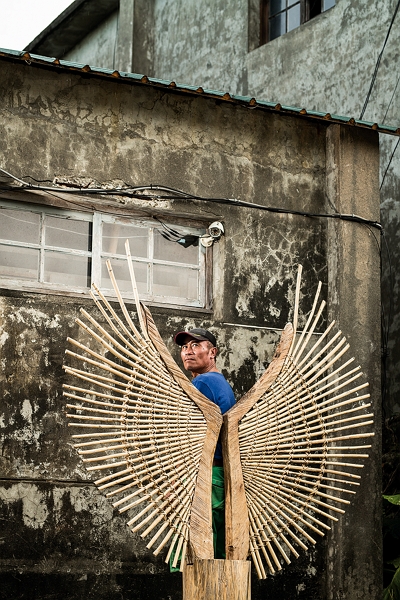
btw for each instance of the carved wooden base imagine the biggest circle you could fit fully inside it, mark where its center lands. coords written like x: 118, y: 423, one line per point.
x: 217, y: 580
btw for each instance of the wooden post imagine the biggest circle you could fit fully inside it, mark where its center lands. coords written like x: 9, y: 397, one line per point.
x: 217, y: 580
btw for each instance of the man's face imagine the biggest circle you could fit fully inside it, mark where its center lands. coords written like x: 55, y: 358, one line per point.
x: 198, y: 356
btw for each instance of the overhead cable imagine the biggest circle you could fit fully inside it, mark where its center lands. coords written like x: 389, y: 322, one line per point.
x: 378, y: 62
x: 174, y: 194
x: 389, y: 163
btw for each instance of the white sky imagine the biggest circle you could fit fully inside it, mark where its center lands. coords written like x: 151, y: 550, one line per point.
x: 22, y: 20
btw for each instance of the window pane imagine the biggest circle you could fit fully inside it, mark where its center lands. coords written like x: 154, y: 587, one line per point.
x: 276, y: 6
x: 167, y: 250
x: 68, y: 233
x: 293, y: 17
x: 115, y: 234
x: 277, y: 26
x: 19, y: 263
x: 175, y: 281
x: 67, y: 269
x: 291, y: 2
x: 121, y: 272
x: 328, y: 4
x: 19, y: 226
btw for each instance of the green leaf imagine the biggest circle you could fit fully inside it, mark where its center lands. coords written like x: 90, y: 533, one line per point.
x: 392, y: 592
x: 393, y: 499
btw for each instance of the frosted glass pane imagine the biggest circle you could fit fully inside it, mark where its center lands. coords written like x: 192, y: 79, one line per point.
x: 167, y: 250
x: 67, y: 269
x: 19, y: 263
x: 328, y: 4
x: 175, y: 281
x: 276, y: 6
x: 115, y: 234
x: 277, y: 26
x: 68, y: 233
x: 121, y: 272
x: 293, y: 17
x: 19, y: 226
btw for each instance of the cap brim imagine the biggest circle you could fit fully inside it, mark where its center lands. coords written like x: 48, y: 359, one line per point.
x: 181, y: 335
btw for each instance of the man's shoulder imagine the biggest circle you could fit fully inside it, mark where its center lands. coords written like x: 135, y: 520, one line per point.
x: 212, y: 378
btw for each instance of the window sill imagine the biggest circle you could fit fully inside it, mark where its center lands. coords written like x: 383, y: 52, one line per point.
x: 24, y: 291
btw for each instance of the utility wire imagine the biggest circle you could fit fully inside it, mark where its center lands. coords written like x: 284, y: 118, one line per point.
x: 391, y: 99
x: 389, y: 163
x: 378, y: 62
x: 174, y: 194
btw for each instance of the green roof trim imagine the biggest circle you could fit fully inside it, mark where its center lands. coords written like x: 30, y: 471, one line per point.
x: 247, y: 101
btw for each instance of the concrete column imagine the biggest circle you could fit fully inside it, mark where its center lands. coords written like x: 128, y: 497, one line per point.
x: 354, y: 561
x: 124, y: 44
x: 134, y: 47
x: 143, y: 43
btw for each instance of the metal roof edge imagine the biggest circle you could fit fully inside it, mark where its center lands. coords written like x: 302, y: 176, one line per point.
x: 245, y: 101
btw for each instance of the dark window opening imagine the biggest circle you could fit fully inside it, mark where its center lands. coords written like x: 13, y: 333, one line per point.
x: 278, y: 17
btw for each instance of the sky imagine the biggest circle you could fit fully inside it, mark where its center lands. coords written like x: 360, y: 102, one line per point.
x: 22, y: 20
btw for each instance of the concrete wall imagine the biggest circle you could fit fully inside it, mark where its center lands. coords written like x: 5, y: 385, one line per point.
x: 63, y: 539
x: 98, y: 48
x: 326, y: 64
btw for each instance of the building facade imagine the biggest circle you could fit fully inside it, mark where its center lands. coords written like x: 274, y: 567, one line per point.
x: 327, y: 63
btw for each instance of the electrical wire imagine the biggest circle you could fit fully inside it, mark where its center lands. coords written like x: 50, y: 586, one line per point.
x: 389, y: 163
x: 391, y: 99
x: 378, y: 62
x: 174, y: 194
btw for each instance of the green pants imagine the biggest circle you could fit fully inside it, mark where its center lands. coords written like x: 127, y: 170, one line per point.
x: 218, y: 516
x: 218, y: 511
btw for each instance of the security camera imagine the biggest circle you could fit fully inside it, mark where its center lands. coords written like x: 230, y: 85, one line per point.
x: 216, y: 229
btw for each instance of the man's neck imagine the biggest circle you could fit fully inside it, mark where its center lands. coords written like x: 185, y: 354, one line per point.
x: 211, y: 370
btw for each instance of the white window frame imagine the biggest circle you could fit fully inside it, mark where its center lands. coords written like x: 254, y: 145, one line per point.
x: 97, y: 218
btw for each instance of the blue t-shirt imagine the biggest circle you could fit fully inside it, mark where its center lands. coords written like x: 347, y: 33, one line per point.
x: 215, y: 387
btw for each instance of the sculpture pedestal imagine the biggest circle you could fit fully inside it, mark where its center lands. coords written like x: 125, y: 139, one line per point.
x: 217, y: 579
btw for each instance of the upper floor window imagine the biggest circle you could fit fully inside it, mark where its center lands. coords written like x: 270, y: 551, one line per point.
x: 277, y: 17
x: 52, y: 249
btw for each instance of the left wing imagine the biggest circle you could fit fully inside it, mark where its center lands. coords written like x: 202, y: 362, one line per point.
x: 143, y: 428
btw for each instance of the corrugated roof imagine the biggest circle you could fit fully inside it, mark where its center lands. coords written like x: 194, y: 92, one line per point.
x: 136, y: 79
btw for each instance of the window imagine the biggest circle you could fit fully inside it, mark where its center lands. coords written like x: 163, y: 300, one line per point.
x: 52, y: 249
x: 277, y: 17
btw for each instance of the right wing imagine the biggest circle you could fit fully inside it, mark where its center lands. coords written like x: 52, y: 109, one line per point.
x: 301, y: 444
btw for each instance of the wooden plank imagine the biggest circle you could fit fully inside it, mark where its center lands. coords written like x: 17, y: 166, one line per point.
x: 200, y: 535
x: 217, y: 579
x: 236, y: 513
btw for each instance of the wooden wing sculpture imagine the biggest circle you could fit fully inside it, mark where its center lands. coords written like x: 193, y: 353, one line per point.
x: 293, y: 445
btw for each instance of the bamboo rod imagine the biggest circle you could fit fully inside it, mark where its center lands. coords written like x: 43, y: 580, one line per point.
x: 120, y: 300
x: 128, y: 395
x: 136, y: 338
x: 135, y: 290
x: 296, y: 513
x: 305, y: 329
x: 272, y: 516
x: 258, y: 562
x: 290, y: 492
x: 131, y: 341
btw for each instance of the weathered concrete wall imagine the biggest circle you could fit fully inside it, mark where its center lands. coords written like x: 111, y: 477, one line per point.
x: 98, y: 48
x: 65, y: 125
x: 326, y: 64
x: 352, y: 172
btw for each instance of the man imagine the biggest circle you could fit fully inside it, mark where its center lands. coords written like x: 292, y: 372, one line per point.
x: 198, y: 353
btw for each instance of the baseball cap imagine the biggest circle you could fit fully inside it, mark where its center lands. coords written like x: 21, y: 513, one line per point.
x: 202, y: 335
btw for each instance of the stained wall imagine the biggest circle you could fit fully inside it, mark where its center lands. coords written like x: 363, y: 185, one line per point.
x: 62, y: 539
